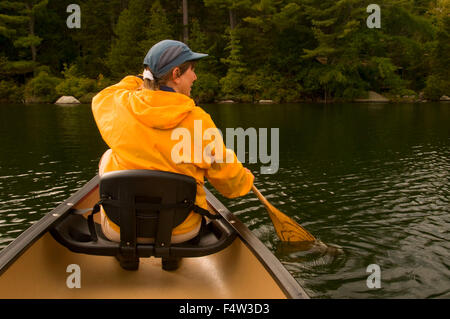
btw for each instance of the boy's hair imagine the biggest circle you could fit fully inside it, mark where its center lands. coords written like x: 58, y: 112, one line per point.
x: 156, y: 83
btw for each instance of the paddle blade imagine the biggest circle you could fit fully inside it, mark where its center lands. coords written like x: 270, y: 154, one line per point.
x: 287, y: 229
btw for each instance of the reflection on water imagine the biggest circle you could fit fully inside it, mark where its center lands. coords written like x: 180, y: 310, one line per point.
x: 48, y: 152
x: 369, y: 181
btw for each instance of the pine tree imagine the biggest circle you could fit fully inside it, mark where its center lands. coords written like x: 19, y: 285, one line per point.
x: 441, y: 56
x: 198, y: 42
x: 96, y: 35
x: 207, y: 85
x: 233, y: 6
x: 232, y: 82
x: 158, y: 28
x: 334, y: 60
x: 17, y: 23
x: 126, y: 54
x: 438, y: 82
x: 139, y: 27
x: 185, y: 21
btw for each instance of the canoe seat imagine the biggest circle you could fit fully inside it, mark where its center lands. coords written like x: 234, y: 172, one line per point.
x: 148, y: 204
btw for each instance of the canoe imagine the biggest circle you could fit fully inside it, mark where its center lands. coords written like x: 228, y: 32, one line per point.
x: 37, y: 265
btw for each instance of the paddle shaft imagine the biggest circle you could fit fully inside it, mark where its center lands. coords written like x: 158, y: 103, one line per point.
x: 258, y: 194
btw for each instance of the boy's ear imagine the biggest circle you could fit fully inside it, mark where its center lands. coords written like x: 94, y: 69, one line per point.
x: 176, y: 73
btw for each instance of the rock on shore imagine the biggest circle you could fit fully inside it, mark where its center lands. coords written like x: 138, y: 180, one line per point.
x: 67, y: 100
x: 266, y: 101
x: 373, y: 97
x: 226, y: 102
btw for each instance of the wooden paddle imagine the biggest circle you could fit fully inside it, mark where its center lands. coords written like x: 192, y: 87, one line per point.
x: 287, y: 229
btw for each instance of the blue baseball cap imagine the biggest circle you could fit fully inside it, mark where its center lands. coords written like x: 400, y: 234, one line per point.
x: 167, y: 54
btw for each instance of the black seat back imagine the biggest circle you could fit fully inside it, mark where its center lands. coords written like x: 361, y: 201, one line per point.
x: 146, y: 203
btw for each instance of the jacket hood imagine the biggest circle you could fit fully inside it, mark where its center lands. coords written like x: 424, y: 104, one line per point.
x: 159, y: 109
x: 126, y: 102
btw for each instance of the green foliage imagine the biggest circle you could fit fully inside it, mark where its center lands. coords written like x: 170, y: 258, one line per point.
x: 436, y: 88
x: 28, y: 41
x: 87, y: 98
x: 17, y: 23
x: 229, y: 4
x: 42, y: 88
x: 438, y: 82
x: 158, y: 28
x: 10, y: 92
x: 74, y: 85
x: 135, y: 36
x: 197, y: 38
x: 232, y: 83
x: 261, y: 85
x: 103, y: 82
x: 9, y: 68
x: 206, y: 88
x: 198, y: 42
x: 94, y: 37
x: 126, y: 55
x: 441, y: 56
x: 234, y: 59
x: 276, y: 87
x: 384, y: 75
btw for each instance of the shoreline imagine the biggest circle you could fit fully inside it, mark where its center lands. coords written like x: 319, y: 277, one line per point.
x: 400, y: 101
x: 379, y: 99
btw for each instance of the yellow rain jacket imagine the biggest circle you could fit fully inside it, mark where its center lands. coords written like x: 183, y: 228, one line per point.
x: 137, y: 124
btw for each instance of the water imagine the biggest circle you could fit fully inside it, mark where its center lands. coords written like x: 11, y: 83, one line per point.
x: 369, y: 180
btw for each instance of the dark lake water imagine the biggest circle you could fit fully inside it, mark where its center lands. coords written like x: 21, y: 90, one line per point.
x: 370, y: 180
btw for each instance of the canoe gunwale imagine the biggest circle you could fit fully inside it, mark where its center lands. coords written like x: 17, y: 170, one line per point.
x: 17, y: 247
x: 279, y: 273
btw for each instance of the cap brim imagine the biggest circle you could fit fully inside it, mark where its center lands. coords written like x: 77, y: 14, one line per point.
x: 197, y: 56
